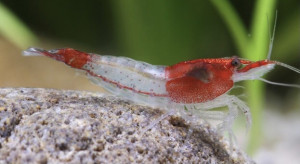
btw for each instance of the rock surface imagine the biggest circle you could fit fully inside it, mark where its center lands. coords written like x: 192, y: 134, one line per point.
x: 53, y: 126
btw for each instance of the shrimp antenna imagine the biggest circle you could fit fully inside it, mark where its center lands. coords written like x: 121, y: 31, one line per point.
x: 278, y: 63
x: 280, y: 84
x: 283, y: 84
x: 288, y: 67
x: 271, y: 37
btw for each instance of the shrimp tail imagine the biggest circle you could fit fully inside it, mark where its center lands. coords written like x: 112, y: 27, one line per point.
x: 34, y: 52
x: 69, y: 56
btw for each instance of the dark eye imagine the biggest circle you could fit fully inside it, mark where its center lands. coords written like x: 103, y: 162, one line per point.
x: 235, y: 62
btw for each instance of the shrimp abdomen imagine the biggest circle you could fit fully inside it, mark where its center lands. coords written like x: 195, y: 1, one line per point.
x: 128, y: 74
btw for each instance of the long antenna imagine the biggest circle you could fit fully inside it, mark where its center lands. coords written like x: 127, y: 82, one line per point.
x: 283, y: 84
x: 271, y: 37
x: 280, y: 84
x: 288, y: 66
x: 278, y: 63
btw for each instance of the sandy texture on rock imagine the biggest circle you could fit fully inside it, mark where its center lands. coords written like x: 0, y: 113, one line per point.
x: 52, y: 126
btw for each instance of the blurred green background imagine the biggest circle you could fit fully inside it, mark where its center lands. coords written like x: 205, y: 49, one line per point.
x: 157, y: 32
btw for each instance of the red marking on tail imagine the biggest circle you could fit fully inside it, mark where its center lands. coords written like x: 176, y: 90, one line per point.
x: 74, y: 58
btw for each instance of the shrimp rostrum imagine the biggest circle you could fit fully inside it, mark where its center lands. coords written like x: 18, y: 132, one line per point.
x: 189, y: 89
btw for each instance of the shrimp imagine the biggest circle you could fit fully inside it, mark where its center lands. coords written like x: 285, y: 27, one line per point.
x: 189, y: 89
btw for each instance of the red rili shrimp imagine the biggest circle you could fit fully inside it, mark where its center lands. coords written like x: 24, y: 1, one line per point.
x: 189, y: 89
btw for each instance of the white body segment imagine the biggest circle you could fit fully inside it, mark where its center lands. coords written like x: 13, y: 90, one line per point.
x: 128, y: 78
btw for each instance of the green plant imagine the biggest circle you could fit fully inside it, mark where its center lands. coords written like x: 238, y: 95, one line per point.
x: 14, y: 30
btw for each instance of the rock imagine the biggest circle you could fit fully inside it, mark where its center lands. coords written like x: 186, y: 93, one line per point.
x: 53, y: 126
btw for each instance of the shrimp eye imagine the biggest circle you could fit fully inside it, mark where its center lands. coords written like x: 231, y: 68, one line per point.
x: 235, y: 62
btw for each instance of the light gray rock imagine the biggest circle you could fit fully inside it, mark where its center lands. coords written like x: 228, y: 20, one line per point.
x: 53, y: 126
